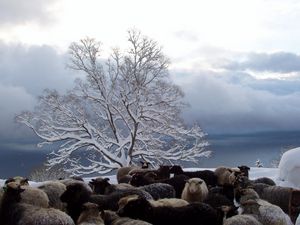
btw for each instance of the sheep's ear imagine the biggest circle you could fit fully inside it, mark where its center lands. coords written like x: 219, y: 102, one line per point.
x: 9, y: 180
x: 25, y: 181
x: 106, y: 179
x: 92, y: 182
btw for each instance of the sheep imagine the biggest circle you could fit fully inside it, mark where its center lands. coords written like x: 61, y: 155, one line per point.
x: 90, y: 215
x: 242, y: 220
x: 34, y: 196
x: 76, y: 195
x: 178, y: 182
x: 194, y: 213
x: 195, y: 190
x: 244, y: 182
x: 123, y: 171
x: 31, y: 195
x: 54, y: 190
x: 18, y: 179
x: 217, y: 201
x: 276, y: 195
x: 159, y: 190
x: 279, y: 196
x: 71, y: 181
x: 226, y: 190
x: 156, y: 190
x: 265, y: 212
x: 264, y: 180
x: 207, y: 175
x: 112, y: 218
x: 226, y: 175
x: 171, y: 202
x: 163, y: 172
x: 13, y: 212
x: 102, y: 186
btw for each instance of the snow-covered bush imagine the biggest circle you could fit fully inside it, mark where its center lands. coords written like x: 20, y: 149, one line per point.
x: 289, y: 168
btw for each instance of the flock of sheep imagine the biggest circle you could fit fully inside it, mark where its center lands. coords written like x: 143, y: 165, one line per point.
x: 164, y: 196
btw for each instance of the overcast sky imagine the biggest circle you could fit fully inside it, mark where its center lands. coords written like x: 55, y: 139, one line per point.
x: 237, y: 61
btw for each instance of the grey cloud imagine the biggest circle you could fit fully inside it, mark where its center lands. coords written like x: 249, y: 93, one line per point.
x: 13, y: 100
x: 279, y: 62
x: 221, y: 106
x: 19, y: 12
x: 34, y: 68
x: 24, y: 73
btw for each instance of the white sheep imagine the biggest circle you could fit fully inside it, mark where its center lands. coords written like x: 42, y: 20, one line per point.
x: 195, y: 190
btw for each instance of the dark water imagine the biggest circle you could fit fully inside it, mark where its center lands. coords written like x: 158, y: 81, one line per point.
x: 233, y: 150
x: 230, y: 150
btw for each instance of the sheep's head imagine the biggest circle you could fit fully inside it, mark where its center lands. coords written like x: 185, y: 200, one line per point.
x: 18, y: 179
x: 136, y: 209
x: 248, y: 194
x: 164, y: 171
x: 195, y: 185
x: 12, y: 191
x: 99, y: 185
x: 176, y: 169
x: 244, y: 169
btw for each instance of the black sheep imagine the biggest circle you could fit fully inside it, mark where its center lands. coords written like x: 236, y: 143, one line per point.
x: 207, y: 175
x: 194, y: 213
x: 178, y: 182
x: 76, y: 195
x: 226, y: 190
x: 217, y: 200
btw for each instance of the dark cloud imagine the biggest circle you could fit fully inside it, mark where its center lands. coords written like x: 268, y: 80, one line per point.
x: 34, y: 68
x: 25, y: 73
x: 279, y: 62
x: 14, y: 12
x: 223, y: 106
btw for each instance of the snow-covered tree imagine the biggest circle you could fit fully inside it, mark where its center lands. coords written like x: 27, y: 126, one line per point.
x: 127, y: 108
x: 258, y: 163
